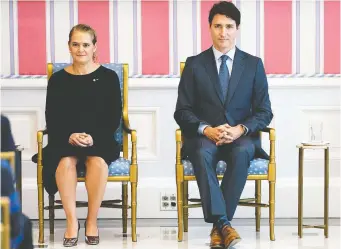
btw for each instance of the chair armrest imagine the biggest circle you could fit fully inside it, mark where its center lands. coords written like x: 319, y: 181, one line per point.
x: 178, y: 139
x: 127, y: 128
x: 178, y: 135
x: 40, y: 135
x: 133, y: 147
x: 271, y: 131
x: 126, y: 124
x: 272, y: 161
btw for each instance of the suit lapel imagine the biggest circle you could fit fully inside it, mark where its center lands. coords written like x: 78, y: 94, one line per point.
x: 237, y: 70
x: 211, y: 69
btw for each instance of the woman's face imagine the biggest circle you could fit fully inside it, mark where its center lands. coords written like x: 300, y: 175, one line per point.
x: 81, y: 47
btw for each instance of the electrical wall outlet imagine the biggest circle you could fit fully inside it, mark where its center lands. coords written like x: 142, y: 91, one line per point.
x: 167, y: 201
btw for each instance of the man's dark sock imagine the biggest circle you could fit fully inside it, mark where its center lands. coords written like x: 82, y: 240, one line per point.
x: 221, y: 222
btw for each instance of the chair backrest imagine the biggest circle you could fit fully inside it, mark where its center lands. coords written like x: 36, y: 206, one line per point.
x: 5, y: 223
x: 182, y: 66
x: 122, y: 72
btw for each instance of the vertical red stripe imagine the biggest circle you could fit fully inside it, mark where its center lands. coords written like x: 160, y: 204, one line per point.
x: 155, y: 37
x: 96, y: 14
x: 206, y: 40
x: 278, y: 37
x: 332, y: 37
x: 32, y: 37
x: 205, y: 7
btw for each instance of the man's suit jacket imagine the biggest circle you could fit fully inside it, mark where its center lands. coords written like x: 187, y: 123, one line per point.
x: 7, y: 141
x: 200, y: 96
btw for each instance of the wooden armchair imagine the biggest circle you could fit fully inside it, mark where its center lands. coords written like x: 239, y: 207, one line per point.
x: 260, y: 169
x: 122, y: 170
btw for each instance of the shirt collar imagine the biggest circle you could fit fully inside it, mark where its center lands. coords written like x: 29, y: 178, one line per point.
x: 218, y: 54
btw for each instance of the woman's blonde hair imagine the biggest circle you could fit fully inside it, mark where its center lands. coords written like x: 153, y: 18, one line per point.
x: 85, y: 28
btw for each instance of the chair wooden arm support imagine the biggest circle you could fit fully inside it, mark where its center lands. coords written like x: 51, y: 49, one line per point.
x: 40, y: 135
x: 126, y: 127
x: 133, y: 167
x: 132, y: 132
x: 126, y: 124
x: 43, y: 132
x: 272, y: 162
x: 178, y: 135
x: 178, y: 139
x: 271, y: 131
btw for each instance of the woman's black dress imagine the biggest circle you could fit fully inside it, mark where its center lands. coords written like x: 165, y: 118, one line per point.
x: 88, y: 103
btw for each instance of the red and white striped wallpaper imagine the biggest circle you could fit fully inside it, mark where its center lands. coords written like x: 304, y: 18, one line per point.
x: 293, y: 37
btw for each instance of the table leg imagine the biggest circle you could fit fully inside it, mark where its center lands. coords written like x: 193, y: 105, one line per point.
x: 300, y: 191
x: 326, y: 190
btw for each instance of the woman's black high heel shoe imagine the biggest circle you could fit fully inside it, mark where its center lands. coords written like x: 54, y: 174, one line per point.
x: 91, y: 240
x: 70, y: 242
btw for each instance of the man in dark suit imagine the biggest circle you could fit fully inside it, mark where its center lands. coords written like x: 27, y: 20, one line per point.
x: 222, y: 104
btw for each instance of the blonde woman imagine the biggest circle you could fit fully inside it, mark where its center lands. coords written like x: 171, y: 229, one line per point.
x: 83, y: 111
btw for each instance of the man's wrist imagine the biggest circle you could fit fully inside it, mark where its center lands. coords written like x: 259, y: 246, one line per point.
x: 206, y: 129
x: 243, y: 130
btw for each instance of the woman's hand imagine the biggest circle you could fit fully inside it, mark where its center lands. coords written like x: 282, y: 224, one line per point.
x: 81, y: 140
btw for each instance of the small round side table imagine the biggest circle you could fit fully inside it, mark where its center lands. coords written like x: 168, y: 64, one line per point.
x: 302, y: 147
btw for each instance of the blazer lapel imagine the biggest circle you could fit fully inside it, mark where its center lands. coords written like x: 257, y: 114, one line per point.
x: 211, y: 69
x: 237, y: 70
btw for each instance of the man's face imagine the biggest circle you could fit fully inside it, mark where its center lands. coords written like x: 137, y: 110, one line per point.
x: 223, y: 33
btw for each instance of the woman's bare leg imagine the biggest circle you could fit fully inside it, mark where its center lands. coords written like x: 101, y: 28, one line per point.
x: 95, y: 182
x: 66, y: 177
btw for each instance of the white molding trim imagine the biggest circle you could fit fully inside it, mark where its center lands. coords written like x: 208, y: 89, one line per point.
x: 26, y: 154
x: 319, y: 108
x: 172, y: 83
x: 154, y: 111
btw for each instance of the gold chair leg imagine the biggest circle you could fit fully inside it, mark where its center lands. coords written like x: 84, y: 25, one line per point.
x: 179, y: 188
x: 272, y: 209
x: 41, y: 212
x: 326, y: 191
x: 124, y: 206
x: 133, y: 210
x: 5, y: 223
x: 51, y: 213
x: 258, y: 186
x: 185, y: 203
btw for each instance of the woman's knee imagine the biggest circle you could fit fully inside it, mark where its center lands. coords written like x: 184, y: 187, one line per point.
x: 94, y: 161
x: 67, y: 163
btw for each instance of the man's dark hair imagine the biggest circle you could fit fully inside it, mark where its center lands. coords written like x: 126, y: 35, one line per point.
x: 227, y: 9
